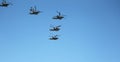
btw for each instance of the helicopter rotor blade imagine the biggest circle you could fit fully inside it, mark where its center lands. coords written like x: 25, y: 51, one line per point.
x: 58, y: 13
x: 59, y: 25
x: 35, y: 8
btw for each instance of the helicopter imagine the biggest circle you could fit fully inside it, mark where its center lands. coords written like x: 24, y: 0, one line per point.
x: 56, y: 28
x: 4, y: 4
x: 59, y: 16
x: 55, y: 37
x: 33, y: 11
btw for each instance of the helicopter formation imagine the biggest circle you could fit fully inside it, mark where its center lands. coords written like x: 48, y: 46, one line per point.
x: 56, y: 28
x: 33, y: 11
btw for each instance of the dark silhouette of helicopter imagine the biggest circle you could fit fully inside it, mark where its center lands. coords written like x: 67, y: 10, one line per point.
x: 55, y: 37
x: 56, y: 28
x: 33, y: 11
x: 4, y: 4
x: 59, y: 16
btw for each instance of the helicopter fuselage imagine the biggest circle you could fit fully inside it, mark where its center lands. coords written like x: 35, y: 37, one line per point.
x: 53, y: 38
x: 4, y: 5
x: 35, y: 12
x: 55, y: 29
x: 58, y: 17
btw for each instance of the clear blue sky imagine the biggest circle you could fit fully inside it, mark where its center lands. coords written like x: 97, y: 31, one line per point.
x: 90, y: 31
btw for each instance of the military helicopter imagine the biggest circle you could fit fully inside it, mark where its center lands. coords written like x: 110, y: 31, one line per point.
x: 55, y: 37
x: 56, y: 28
x: 59, y: 16
x: 33, y: 11
x: 4, y: 4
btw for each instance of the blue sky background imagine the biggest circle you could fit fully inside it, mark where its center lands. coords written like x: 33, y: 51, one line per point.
x: 90, y: 31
